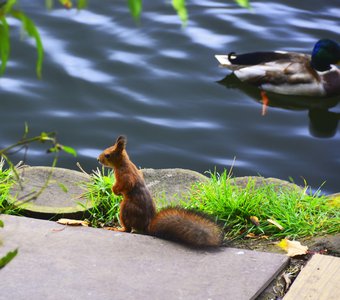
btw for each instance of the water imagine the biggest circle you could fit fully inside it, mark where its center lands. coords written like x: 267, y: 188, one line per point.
x: 157, y: 83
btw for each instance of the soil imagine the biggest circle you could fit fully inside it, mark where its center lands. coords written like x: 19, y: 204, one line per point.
x: 328, y: 245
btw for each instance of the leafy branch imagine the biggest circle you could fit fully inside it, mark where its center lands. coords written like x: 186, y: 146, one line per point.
x: 55, y: 147
x: 7, y: 9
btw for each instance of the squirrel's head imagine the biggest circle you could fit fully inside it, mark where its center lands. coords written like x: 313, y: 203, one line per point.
x: 113, y: 155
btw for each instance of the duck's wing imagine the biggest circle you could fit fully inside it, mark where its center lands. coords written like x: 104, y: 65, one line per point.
x: 235, y: 61
x: 269, y: 67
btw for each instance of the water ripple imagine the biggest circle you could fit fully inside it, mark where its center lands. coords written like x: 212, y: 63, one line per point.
x: 179, y: 124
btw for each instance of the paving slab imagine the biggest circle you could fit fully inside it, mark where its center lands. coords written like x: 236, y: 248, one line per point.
x: 64, y: 262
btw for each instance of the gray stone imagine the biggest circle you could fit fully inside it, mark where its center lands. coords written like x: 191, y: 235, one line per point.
x: 58, y: 262
x: 261, y: 181
x: 171, y: 185
x: 47, y: 192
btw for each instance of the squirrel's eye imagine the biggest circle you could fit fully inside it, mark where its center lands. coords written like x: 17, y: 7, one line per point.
x: 107, y: 155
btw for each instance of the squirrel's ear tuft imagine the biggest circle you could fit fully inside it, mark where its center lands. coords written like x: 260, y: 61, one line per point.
x: 121, y: 141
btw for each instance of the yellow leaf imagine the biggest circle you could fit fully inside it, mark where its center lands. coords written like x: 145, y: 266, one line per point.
x: 71, y: 222
x: 293, y: 248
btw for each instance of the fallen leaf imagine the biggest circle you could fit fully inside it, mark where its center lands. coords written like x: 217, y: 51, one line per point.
x: 255, y: 220
x: 71, y: 222
x: 275, y: 223
x: 251, y: 235
x: 293, y: 248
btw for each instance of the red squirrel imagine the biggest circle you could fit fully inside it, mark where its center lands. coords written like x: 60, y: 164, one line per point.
x: 138, y: 209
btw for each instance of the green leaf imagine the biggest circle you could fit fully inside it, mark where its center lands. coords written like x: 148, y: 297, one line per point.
x: 63, y: 187
x: 44, y: 137
x: 135, y: 7
x: 32, y: 31
x: 1, y: 224
x: 69, y: 150
x: 49, y: 4
x: 4, y: 43
x: 7, y: 258
x: 243, y: 3
x: 82, y: 4
x: 9, y: 5
x: 179, y: 6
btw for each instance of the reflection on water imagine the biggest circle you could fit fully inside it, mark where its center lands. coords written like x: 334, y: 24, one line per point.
x: 322, y: 122
x: 103, y: 76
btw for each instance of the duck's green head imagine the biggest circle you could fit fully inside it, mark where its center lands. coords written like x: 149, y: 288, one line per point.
x: 325, y: 53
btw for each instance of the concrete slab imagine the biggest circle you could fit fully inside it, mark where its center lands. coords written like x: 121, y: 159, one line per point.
x: 58, y: 262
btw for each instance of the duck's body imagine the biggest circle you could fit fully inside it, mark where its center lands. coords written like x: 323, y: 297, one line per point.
x: 290, y: 73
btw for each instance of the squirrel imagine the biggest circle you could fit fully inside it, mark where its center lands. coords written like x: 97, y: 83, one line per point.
x: 138, y: 209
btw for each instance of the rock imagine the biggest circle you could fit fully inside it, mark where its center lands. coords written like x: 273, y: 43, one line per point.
x: 45, y: 192
x: 171, y: 185
x: 261, y: 181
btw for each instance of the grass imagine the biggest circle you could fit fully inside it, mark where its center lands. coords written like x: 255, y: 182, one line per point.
x: 105, y: 211
x: 255, y: 210
x: 6, y: 181
x: 299, y: 213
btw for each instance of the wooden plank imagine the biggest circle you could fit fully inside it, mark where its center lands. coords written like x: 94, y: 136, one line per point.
x: 318, y: 280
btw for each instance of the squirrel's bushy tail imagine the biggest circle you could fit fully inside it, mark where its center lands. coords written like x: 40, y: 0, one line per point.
x: 186, y: 226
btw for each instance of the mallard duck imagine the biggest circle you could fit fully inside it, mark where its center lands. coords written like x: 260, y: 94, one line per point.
x: 290, y: 73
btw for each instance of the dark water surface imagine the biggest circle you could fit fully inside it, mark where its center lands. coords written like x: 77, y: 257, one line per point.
x: 157, y: 83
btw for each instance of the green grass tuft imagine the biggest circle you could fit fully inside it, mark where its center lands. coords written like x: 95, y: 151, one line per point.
x: 105, y: 211
x: 7, y: 179
x: 299, y: 214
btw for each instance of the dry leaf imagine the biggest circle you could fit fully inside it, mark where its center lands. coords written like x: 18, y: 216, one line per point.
x: 110, y: 228
x: 255, y: 220
x: 251, y: 235
x: 293, y: 248
x: 275, y: 223
x: 73, y: 222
